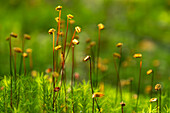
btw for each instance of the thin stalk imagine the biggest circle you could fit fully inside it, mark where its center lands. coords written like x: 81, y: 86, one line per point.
x: 44, y: 95
x: 130, y: 89
x: 93, y: 63
x: 70, y: 44
x: 65, y: 39
x: 139, y: 84
x: 91, y: 86
x: 10, y: 67
x: 122, y: 108
x: 15, y: 70
x: 152, y: 80
x: 97, y: 105
x: 58, y: 34
x: 53, y: 69
x: 72, y: 77
x: 65, y: 56
x: 118, y: 80
x: 64, y: 80
x: 160, y: 101
x: 119, y: 73
x: 20, y: 69
x: 25, y: 71
x: 157, y: 107
x: 31, y: 63
x: 5, y: 100
x: 98, y: 52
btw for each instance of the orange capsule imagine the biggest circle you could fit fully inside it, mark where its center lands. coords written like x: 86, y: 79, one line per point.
x: 72, y: 21
x: 17, y: 49
x: 29, y: 50
x: 57, y: 47
x: 153, y: 99
x: 86, y: 58
x: 149, y: 72
x: 93, y: 43
x: 122, y: 103
x: 98, y: 94
x: 57, y: 19
x: 78, y: 29
x: 100, y: 26
x: 49, y: 70
x: 24, y: 54
x: 69, y: 16
x: 26, y: 36
x: 157, y: 87
x: 56, y: 89
x: 137, y: 55
x: 13, y: 35
x: 117, y: 55
x: 119, y: 45
x: 52, y: 30
x: 75, y: 41
x: 58, y: 8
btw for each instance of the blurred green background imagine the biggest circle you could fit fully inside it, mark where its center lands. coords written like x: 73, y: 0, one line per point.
x: 141, y: 25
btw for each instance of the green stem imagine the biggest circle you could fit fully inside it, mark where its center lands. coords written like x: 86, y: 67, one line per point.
x: 139, y: 84
x: 10, y: 67
x: 98, y: 53
x: 152, y: 82
x: 72, y: 77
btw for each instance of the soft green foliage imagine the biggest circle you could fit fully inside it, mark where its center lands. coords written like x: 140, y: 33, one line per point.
x: 36, y: 96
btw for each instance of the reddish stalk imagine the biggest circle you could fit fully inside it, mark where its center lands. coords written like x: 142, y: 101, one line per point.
x: 70, y: 44
x: 58, y: 34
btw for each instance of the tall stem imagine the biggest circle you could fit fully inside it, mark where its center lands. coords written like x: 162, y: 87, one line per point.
x: 20, y: 69
x: 119, y: 73
x: 122, y: 108
x: 118, y: 80
x: 65, y: 38
x: 58, y: 32
x: 15, y: 69
x: 72, y: 77
x: 70, y: 44
x: 157, y: 107
x: 91, y: 85
x: 139, y: 84
x: 30, y: 58
x: 152, y: 83
x: 98, y: 52
x: 160, y: 101
x: 53, y: 69
x: 10, y: 67
x: 24, y: 66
